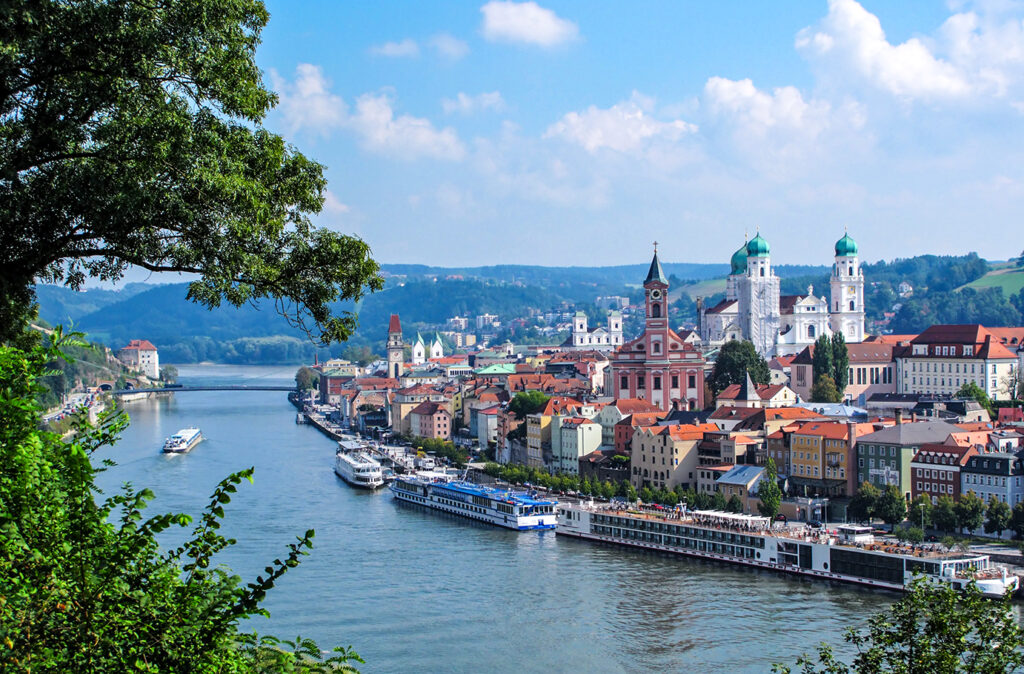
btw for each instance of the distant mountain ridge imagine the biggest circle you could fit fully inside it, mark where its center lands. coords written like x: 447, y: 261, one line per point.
x: 426, y: 295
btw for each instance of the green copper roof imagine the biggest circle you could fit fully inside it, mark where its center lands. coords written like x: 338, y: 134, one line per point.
x: 739, y: 260
x: 758, y: 247
x: 846, y: 247
x: 655, y: 273
x: 419, y: 338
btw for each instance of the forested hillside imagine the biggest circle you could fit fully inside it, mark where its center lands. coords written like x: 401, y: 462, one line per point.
x: 426, y: 296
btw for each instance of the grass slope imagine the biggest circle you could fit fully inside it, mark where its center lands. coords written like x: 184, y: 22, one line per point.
x: 1010, y: 280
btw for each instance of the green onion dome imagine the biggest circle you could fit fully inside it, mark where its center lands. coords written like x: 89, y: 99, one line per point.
x: 846, y: 247
x: 758, y: 247
x: 739, y: 260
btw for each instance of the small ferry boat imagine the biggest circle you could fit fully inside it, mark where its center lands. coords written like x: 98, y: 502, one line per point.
x: 183, y: 441
x: 848, y: 553
x: 501, y: 506
x: 358, y: 469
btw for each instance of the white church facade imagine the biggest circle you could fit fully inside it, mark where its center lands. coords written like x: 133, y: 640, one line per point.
x: 601, y: 338
x: 782, y: 325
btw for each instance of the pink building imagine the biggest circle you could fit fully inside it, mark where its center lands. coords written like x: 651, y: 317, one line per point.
x: 431, y: 420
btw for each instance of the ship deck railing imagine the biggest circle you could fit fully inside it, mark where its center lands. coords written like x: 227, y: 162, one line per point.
x: 723, y: 521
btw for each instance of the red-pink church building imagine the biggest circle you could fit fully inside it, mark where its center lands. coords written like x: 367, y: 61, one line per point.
x: 658, y: 366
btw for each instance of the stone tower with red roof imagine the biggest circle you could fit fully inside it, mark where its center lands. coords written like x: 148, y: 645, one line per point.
x: 395, y: 347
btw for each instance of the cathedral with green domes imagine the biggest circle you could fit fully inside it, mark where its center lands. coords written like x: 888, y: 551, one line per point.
x: 782, y: 325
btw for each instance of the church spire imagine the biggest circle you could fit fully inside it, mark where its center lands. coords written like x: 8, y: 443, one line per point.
x: 748, y: 392
x: 655, y: 273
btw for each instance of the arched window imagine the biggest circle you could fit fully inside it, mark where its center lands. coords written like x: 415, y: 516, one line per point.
x: 852, y: 305
x: 656, y: 311
x: 762, y: 271
x: 810, y: 331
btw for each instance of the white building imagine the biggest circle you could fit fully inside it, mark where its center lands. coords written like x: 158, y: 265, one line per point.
x: 141, y: 355
x: 597, y: 339
x: 754, y: 310
x: 945, y: 357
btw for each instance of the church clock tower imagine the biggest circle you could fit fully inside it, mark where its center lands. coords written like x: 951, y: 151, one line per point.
x: 395, y: 347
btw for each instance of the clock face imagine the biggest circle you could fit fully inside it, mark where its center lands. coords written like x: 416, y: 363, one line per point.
x: 656, y: 294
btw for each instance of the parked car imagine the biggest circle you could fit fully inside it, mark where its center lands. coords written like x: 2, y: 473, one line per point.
x: 815, y: 524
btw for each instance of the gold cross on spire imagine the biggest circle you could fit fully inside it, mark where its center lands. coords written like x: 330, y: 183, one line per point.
x: 655, y: 247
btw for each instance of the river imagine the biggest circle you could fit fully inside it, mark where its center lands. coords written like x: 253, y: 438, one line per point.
x: 413, y: 590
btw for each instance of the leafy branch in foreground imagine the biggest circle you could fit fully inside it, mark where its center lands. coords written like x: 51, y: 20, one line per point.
x: 84, y: 584
x: 131, y: 136
x: 934, y: 628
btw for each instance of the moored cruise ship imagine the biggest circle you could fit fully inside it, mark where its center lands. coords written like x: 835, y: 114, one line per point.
x: 359, y: 470
x: 849, y: 553
x: 183, y: 441
x: 503, y: 507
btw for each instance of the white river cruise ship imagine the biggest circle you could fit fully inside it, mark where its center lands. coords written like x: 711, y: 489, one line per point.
x: 848, y: 553
x: 359, y: 470
x: 506, y: 508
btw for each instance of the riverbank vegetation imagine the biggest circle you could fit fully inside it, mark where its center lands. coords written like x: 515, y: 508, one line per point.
x: 84, y: 582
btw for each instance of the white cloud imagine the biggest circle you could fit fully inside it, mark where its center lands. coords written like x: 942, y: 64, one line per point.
x: 526, y: 22
x: 625, y: 127
x: 407, y: 48
x: 404, y: 137
x: 332, y: 204
x: 852, y: 38
x: 449, y: 46
x: 761, y: 112
x: 468, y: 104
x: 306, y: 102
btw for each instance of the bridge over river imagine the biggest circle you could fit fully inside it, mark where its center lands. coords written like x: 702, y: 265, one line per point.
x: 182, y: 389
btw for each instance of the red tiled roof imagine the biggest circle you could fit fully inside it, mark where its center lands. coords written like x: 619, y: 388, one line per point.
x: 729, y: 412
x: 1008, y: 336
x: 394, y: 325
x: 960, y: 453
x: 865, y: 352
x: 773, y: 413
x: 764, y: 391
x: 140, y: 345
x: 635, y: 405
x: 428, y: 408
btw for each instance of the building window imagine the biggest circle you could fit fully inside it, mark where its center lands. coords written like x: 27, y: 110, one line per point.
x: 675, y: 381
x: 656, y: 311
x: 657, y: 383
x: 692, y: 381
x: 624, y: 381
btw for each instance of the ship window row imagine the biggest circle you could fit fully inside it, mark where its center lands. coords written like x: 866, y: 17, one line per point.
x: 867, y: 565
x: 677, y: 541
x: 680, y: 530
x: 462, y: 505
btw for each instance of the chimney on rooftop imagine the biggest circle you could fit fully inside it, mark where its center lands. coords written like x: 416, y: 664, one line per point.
x: 899, y: 416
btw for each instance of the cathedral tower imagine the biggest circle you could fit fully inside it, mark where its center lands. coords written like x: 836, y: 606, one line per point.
x: 758, y: 295
x: 847, y: 307
x: 395, y: 347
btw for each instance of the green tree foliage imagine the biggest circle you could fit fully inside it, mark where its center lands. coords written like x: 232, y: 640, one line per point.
x: 734, y: 504
x: 718, y: 501
x: 132, y: 136
x: 168, y: 374
x: 933, y: 628
x: 987, y: 306
x: 768, y: 492
x: 891, y: 506
x: 85, y: 584
x: 997, y: 517
x: 822, y: 363
x: 735, y: 359
x: 526, y: 403
x: 306, y: 379
x: 970, y: 511
x: 971, y: 391
x: 1017, y: 520
x: 944, y: 515
x: 863, y: 504
x: 824, y: 390
x: 840, y: 362
x: 919, y: 514
x: 646, y: 495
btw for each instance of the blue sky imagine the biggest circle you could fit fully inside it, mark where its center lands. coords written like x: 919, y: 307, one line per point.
x: 575, y: 133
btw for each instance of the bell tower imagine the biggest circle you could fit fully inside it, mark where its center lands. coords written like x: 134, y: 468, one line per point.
x: 395, y: 347
x: 846, y: 313
x: 656, y: 320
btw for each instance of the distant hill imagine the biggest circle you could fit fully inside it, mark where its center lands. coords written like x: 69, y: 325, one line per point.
x: 425, y: 295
